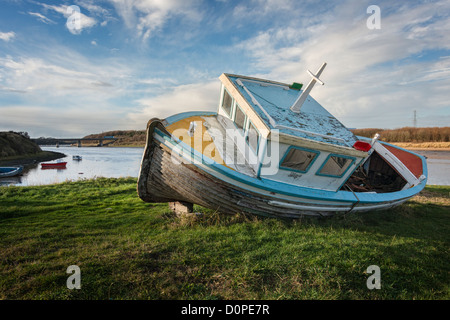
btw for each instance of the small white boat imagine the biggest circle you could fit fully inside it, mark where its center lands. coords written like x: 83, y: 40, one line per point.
x: 272, y: 150
x: 77, y: 158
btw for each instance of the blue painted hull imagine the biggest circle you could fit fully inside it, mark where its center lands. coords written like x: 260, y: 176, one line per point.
x: 10, y: 171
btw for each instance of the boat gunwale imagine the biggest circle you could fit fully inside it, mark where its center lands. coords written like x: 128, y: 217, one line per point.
x: 13, y: 172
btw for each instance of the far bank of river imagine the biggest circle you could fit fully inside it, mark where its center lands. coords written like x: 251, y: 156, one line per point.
x: 119, y: 162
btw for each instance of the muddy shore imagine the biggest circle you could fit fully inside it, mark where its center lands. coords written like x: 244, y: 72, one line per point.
x: 31, y: 159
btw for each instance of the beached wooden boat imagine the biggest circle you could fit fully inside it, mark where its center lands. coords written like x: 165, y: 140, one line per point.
x: 10, y: 171
x: 55, y: 165
x: 272, y: 150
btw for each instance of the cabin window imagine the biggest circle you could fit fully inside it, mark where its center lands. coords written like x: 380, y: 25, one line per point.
x: 227, y: 102
x: 335, y: 166
x: 298, y: 159
x: 253, y: 136
x: 239, y: 117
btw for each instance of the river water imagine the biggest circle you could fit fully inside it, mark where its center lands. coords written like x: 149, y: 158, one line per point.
x: 125, y: 162
x: 96, y: 162
x: 438, y: 164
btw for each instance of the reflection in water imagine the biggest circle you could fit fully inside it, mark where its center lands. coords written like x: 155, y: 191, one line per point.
x: 11, y: 181
x: 125, y: 162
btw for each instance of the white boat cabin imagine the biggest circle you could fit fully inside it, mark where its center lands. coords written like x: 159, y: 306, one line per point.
x: 283, y: 134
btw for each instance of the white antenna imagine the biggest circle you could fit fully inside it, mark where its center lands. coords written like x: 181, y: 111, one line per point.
x: 301, y: 99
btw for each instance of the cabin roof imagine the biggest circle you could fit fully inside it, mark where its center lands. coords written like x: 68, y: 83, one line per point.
x: 271, y: 101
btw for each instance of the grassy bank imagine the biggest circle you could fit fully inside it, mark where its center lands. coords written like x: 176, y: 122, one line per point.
x: 128, y: 249
x: 14, y: 144
x: 18, y: 149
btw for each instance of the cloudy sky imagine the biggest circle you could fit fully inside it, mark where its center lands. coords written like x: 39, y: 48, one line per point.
x: 71, y: 68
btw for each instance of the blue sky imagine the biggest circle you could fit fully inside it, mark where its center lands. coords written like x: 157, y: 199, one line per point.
x: 131, y: 60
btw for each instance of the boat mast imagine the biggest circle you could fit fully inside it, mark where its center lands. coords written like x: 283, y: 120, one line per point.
x: 301, y: 99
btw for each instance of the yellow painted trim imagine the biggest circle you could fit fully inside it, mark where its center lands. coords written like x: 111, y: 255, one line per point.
x: 201, y: 141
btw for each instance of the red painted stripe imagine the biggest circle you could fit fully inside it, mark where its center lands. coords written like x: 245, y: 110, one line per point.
x: 411, y: 161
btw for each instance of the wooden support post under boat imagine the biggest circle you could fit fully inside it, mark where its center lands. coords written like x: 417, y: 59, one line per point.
x: 181, y: 208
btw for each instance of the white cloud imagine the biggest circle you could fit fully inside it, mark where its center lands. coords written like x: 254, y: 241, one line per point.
x: 98, y: 11
x: 41, y: 17
x: 145, y: 17
x: 57, y: 75
x: 76, y: 20
x: 7, y: 36
x: 203, y: 96
x: 93, y: 8
x: 63, y: 93
x: 66, y: 122
x: 370, y: 73
x: 38, y: 75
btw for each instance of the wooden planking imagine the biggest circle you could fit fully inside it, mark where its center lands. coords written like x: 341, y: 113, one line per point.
x: 193, y: 185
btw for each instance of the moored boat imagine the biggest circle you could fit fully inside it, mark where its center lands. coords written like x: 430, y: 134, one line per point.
x: 56, y: 165
x: 272, y: 150
x: 10, y: 171
x: 77, y: 158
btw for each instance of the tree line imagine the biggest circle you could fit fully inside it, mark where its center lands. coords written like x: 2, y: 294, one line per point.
x: 407, y: 134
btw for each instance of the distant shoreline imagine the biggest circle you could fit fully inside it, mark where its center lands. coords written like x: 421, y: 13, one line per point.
x: 31, y: 159
x: 424, y: 146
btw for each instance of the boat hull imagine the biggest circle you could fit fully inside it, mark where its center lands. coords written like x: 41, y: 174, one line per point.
x: 10, y: 171
x: 166, y: 176
x: 58, y: 165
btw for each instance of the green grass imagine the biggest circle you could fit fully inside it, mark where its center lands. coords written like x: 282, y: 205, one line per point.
x: 128, y: 249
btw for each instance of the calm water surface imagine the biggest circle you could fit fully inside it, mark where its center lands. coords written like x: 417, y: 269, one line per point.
x: 96, y: 162
x: 438, y: 163
x: 125, y: 162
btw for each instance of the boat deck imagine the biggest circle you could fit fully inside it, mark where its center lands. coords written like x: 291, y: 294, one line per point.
x: 272, y: 103
x: 210, y: 139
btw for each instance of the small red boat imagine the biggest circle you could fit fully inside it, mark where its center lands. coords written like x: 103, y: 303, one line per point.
x: 56, y: 165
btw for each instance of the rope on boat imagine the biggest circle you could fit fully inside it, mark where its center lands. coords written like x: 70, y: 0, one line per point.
x: 354, y: 204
